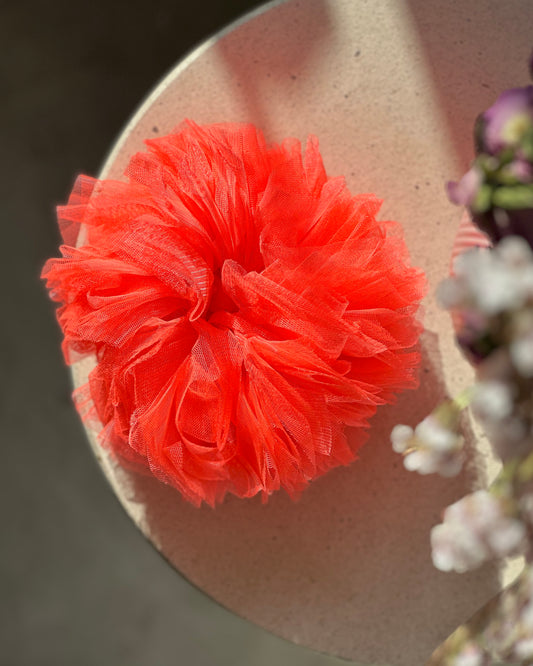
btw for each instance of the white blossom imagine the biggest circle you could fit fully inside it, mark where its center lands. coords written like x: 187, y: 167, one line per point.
x: 506, y: 537
x: 421, y: 461
x: 510, y: 438
x: 496, y: 290
x: 400, y: 437
x: 430, y: 447
x: 474, y: 530
x: 480, y: 509
x: 428, y: 461
x: 435, y: 436
x: 521, y: 351
x: 490, y: 286
x: 451, y: 465
x: 523, y: 649
x: 470, y: 655
x: 456, y: 548
x: 526, y: 508
x: 491, y: 280
x: 492, y: 400
x: 526, y: 617
x: 515, y: 252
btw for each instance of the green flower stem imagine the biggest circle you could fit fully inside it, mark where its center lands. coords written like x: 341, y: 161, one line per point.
x: 464, y: 399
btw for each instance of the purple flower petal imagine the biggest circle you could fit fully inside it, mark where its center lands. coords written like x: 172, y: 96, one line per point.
x: 464, y: 192
x: 521, y: 170
x: 505, y: 120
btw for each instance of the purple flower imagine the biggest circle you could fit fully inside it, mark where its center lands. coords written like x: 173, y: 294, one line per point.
x: 498, y: 188
x: 465, y: 191
x: 520, y: 170
x: 507, y: 121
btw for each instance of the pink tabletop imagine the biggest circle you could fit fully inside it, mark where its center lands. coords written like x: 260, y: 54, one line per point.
x: 391, y: 90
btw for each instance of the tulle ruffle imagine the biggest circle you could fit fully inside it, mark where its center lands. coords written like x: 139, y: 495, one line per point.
x: 242, y: 308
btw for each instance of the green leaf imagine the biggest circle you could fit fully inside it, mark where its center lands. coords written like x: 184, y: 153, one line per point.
x: 513, y: 198
x: 483, y: 199
x: 525, y: 469
x: 526, y: 145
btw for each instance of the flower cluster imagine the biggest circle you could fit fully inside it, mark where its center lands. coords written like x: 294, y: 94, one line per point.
x: 498, y: 188
x: 490, y: 296
x: 475, y: 529
x: 435, y: 445
x: 491, y: 291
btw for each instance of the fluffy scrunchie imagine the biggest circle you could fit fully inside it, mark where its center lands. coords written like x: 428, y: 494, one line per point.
x: 242, y: 308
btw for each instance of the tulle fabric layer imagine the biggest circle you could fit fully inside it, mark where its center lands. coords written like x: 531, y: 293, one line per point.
x: 242, y: 308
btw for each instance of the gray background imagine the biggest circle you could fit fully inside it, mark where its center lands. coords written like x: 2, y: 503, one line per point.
x: 79, y: 584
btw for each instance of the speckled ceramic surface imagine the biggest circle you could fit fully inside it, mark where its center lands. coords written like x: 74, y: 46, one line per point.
x: 391, y: 89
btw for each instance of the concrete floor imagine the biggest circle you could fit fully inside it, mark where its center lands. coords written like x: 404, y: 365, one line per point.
x: 79, y: 585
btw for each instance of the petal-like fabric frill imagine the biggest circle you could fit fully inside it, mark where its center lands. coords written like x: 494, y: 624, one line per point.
x: 242, y: 308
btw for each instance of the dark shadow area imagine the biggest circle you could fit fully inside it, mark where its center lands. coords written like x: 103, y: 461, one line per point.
x: 80, y: 585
